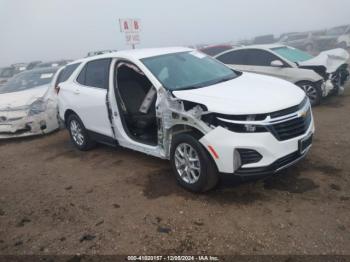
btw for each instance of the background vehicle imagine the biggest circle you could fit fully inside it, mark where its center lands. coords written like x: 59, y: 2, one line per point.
x: 58, y: 63
x: 182, y: 105
x: 264, y: 39
x: 215, y: 49
x: 6, y: 73
x: 33, y: 64
x: 317, y: 78
x: 308, y: 41
x: 20, y: 67
x: 28, y: 105
x: 101, y: 52
x: 342, y: 34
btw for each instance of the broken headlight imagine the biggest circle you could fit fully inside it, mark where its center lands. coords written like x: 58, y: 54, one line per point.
x: 236, y: 123
x: 37, y: 107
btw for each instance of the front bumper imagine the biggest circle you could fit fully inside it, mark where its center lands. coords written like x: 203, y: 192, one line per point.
x: 339, y: 79
x: 327, y: 87
x: 23, y: 126
x: 278, y: 165
x: 276, y: 154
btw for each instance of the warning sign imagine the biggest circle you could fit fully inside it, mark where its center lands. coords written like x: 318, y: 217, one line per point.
x: 131, y: 28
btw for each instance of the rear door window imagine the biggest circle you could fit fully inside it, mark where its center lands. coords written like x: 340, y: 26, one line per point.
x: 234, y: 57
x: 259, y: 57
x: 95, y: 74
x: 66, y: 73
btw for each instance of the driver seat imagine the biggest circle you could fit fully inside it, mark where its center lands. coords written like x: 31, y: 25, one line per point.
x: 133, y: 94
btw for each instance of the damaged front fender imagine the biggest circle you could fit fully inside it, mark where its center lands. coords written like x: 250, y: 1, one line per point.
x: 174, y: 118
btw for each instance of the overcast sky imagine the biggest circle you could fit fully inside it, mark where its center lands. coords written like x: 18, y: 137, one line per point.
x: 55, y: 29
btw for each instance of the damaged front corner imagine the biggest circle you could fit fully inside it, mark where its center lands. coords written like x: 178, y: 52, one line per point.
x: 23, y: 122
x: 174, y: 119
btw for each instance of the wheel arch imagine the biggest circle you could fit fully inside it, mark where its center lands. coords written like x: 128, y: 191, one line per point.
x: 67, y: 113
x: 305, y: 81
x: 180, y: 129
x: 186, y: 128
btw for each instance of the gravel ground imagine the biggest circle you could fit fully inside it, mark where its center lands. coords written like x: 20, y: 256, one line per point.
x: 57, y: 200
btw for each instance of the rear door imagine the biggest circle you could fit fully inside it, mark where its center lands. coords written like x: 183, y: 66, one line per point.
x: 90, y: 91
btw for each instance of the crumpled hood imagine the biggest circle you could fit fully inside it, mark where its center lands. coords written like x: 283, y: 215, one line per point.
x: 247, y: 94
x: 22, y: 98
x: 331, y: 59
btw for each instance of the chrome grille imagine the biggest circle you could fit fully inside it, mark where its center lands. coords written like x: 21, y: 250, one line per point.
x: 291, y: 128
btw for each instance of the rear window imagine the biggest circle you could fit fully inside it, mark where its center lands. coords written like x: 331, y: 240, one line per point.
x: 67, y: 72
x: 95, y: 74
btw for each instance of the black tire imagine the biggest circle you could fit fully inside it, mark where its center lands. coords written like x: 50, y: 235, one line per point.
x: 208, y: 174
x: 87, y: 142
x: 314, y: 93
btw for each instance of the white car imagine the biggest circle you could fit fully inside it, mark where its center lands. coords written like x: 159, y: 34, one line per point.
x: 28, y: 105
x: 317, y: 76
x: 342, y: 34
x: 179, y: 104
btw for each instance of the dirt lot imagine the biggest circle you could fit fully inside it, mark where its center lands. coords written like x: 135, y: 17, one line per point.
x: 56, y: 200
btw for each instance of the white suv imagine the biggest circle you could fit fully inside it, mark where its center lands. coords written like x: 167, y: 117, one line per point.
x: 179, y: 104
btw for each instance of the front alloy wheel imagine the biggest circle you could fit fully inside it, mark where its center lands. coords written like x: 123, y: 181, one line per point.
x: 192, y: 165
x: 187, y: 163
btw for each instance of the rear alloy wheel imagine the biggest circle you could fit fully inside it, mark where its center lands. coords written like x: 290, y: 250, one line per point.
x: 193, y: 167
x: 313, y: 92
x: 79, y: 134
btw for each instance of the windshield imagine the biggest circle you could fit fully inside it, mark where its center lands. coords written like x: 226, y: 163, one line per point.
x: 26, y: 81
x: 7, y: 72
x: 187, y: 70
x: 292, y: 54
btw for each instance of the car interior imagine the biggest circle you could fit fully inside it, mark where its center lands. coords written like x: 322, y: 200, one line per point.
x: 136, y: 101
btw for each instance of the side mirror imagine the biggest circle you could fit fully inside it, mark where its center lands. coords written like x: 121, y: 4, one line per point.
x: 276, y: 63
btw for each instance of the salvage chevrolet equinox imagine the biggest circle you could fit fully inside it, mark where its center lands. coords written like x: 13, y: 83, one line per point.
x: 181, y: 105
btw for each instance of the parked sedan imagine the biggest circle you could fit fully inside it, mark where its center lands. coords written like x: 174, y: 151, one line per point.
x: 317, y: 76
x: 28, y: 105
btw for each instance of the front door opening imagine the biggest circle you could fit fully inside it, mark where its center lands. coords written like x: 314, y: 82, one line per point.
x: 136, y: 100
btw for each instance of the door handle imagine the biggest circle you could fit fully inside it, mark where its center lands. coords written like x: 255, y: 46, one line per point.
x: 76, y: 91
